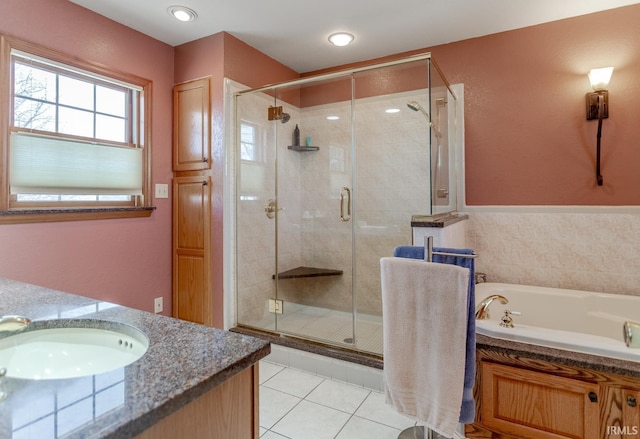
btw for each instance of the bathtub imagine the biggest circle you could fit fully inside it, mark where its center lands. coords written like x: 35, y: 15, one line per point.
x: 578, y: 321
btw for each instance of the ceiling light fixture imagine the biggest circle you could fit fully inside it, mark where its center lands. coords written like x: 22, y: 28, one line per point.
x: 182, y: 13
x: 341, y: 38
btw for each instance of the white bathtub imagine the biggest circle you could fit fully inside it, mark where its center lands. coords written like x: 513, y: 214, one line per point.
x: 578, y: 321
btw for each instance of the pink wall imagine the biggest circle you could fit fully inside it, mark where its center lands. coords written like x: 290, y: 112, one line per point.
x: 124, y: 261
x: 527, y: 137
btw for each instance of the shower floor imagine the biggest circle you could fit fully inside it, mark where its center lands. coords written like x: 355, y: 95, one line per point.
x: 326, y: 325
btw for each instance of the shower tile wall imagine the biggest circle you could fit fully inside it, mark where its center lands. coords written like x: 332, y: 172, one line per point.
x: 325, y: 240
x: 585, y: 251
x: 391, y: 184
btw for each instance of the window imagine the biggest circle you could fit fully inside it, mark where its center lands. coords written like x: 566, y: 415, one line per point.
x: 248, y: 142
x: 76, y: 137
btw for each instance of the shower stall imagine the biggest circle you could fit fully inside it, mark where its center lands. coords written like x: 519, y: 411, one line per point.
x: 328, y: 173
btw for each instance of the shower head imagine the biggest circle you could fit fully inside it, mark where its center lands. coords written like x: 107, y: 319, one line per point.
x: 417, y: 107
x: 414, y: 105
x: 285, y: 118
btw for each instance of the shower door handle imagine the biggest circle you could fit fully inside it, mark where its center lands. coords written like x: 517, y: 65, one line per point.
x: 347, y: 191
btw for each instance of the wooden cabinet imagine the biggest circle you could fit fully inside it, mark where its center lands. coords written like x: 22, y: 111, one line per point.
x: 520, y: 397
x: 192, y: 298
x: 192, y: 125
x: 621, y: 419
x: 192, y: 195
x: 535, y: 405
x: 229, y: 410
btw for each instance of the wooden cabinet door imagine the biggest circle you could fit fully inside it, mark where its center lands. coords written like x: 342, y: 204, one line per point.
x: 630, y: 426
x: 191, y: 126
x: 620, y: 413
x: 534, y: 405
x: 229, y: 410
x: 192, y: 249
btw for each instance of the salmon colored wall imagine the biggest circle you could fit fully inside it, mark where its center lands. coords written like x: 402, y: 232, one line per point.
x: 223, y: 56
x: 124, y: 261
x: 527, y: 139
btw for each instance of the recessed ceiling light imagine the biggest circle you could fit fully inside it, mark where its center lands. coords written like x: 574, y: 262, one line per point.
x: 182, y: 13
x: 341, y: 38
x: 392, y: 110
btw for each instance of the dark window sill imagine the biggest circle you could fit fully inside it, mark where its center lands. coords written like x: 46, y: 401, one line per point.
x: 74, y: 214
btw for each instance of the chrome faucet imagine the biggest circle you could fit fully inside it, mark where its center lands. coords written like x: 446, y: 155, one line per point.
x: 13, y: 323
x: 482, y: 310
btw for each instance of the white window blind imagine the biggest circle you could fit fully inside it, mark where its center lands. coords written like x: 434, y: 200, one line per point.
x: 47, y: 165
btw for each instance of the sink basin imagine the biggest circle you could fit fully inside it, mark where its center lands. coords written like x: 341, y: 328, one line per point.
x: 61, y: 349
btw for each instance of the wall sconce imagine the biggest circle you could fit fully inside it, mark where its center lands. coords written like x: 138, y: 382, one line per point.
x: 598, y: 106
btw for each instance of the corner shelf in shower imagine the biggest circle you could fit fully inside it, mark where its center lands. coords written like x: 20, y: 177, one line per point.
x: 307, y: 272
x: 302, y: 148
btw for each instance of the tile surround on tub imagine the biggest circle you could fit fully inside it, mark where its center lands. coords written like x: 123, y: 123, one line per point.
x: 586, y: 251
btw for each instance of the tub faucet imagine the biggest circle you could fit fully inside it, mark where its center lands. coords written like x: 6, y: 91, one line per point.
x: 13, y: 323
x: 482, y: 310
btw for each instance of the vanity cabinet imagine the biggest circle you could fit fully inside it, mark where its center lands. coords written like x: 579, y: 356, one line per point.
x: 192, y: 298
x: 529, y: 404
x: 521, y: 397
x: 622, y: 417
x: 229, y: 410
x: 192, y: 125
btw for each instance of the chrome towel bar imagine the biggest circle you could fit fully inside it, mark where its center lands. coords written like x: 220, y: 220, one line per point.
x: 428, y: 251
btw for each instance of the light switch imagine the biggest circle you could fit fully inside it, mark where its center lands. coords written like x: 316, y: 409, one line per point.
x: 162, y: 190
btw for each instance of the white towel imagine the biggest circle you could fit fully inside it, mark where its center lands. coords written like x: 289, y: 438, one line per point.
x: 424, y: 320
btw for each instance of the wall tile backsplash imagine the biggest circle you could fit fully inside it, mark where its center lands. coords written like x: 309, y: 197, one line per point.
x: 586, y: 251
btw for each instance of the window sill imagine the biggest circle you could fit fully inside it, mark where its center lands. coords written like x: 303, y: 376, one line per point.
x: 23, y: 216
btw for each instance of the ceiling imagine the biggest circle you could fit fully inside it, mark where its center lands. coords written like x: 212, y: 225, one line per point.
x: 294, y: 32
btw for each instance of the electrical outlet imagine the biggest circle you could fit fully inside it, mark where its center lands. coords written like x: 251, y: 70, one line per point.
x: 157, y: 305
x: 162, y: 190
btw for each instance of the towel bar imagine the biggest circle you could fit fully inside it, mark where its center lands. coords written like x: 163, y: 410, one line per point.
x: 428, y: 251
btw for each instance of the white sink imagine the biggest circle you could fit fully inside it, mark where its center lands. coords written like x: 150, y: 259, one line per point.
x: 71, y: 352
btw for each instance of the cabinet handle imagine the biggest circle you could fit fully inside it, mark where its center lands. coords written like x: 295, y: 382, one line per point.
x: 631, y: 401
x: 204, y: 159
x: 593, y: 397
x: 204, y: 182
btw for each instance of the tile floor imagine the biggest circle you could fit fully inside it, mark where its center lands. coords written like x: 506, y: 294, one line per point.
x: 298, y: 404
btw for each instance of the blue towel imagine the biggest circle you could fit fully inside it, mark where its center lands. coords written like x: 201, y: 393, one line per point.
x: 468, y: 409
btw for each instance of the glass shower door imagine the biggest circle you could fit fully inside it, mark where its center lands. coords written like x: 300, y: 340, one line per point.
x: 255, y: 211
x: 314, y: 242
x: 330, y: 172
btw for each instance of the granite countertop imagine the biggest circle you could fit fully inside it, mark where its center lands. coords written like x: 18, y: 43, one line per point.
x: 561, y: 356
x: 184, y: 360
x: 437, y: 220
